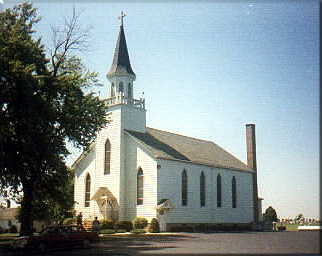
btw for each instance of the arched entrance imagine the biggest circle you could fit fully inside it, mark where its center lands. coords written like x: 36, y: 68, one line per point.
x: 107, y: 203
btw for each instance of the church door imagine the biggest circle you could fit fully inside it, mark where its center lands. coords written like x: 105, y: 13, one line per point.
x: 112, y: 210
x: 163, y: 216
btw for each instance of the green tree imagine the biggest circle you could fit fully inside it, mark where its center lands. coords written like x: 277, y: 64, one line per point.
x: 299, y: 218
x: 54, y: 206
x: 270, y: 214
x: 42, y: 107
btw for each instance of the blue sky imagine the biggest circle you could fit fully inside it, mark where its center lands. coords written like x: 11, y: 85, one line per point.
x: 209, y: 68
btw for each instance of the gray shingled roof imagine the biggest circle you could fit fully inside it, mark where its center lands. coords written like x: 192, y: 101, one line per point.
x: 121, y: 62
x: 171, y: 146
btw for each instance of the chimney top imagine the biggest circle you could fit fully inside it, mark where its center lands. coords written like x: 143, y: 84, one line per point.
x: 251, y: 146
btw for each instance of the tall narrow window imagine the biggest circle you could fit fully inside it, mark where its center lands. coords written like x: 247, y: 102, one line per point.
x: 87, y: 190
x: 107, y: 166
x: 112, y: 90
x: 121, y: 88
x: 218, y: 190
x: 184, y: 188
x: 139, y: 197
x: 202, y: 189
x: 233, y: 192
x: 129, y: 90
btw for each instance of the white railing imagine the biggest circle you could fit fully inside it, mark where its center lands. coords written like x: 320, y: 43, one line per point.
x: 124, y: 100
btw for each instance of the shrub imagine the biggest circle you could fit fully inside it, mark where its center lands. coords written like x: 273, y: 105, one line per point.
x: 121, y: 231
x: 281, y: 228
x: 201, y: 228
x: 124, y: 224
x: 138, y: 231
x: 182, y: 228
x: 69, y: 221
x: 270, y: 214
x: 13, y: 229
x: 154, y: 226
x: 140, y: 223
x: 107, y: 231
x: 107, y: 224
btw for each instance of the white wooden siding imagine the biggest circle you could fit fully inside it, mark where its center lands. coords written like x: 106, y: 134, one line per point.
x: 86, y: 166
x: 123, y: 117
x: 169, y: 187
x: 136, y: 158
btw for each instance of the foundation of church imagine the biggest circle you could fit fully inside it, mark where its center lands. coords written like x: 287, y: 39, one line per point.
x: 208, y: 227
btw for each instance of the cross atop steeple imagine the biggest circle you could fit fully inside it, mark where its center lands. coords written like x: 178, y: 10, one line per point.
x: 121, y: 18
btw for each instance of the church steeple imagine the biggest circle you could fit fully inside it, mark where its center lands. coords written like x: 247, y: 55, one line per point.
x: 121, y: 75
x: 121, y: 62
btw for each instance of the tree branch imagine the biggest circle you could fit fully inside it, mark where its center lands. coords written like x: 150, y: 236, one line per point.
x: 68, y: 40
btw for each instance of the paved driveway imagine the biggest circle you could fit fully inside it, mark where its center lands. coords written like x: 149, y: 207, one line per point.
x: 304, y: 242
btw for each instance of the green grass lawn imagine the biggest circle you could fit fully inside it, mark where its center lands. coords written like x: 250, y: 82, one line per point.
x: 5, y: 237
x: 291, y: 227
x: 5, y: 240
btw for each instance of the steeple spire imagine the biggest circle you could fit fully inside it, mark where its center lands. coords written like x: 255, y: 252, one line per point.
x: 121, y: 62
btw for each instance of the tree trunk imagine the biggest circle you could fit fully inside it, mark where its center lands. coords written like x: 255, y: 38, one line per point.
x: 27, y: 210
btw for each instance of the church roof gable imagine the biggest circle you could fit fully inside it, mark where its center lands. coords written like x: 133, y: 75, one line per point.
x: 171, y: 146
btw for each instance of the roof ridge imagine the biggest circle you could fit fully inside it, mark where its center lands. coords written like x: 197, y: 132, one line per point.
x: 160, y: 145
x: 186, y: 136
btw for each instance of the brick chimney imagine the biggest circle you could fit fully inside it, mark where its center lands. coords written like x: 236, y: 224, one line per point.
x: 252, y: 164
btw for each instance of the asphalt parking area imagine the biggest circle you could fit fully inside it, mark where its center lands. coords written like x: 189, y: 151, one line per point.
x: 304, y: 243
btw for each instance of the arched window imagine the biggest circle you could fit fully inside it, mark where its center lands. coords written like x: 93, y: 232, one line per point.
x: 112, y: 90
x: 87, y: 190
x: 233, y: 192
x: 129, y: 90
x: 218, y: 190
x: 139, y: 192
x: 107, y: 164
x: 184, y: 188
x: 202, y: 189
x: 121, y: 87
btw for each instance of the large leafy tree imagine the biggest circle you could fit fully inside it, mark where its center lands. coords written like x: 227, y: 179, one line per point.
x: 42, y: 107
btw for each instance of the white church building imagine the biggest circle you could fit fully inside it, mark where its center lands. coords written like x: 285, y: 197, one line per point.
x: 135, y: 171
